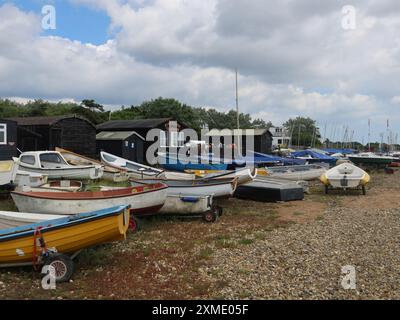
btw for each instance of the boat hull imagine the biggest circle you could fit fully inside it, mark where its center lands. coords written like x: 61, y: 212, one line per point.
x: 294, y: 173
x: 72, y: 173
x: 242, y: 175
x: 270, y: 190
x: 370, y: 161
x: 201, y: 188
x: 345, y: 176
x: 54, y: 203
x: 69, y: 238
x: 30, y: 179
x: 186, y: 205
x: 16, y: 219
x: 8, y: 172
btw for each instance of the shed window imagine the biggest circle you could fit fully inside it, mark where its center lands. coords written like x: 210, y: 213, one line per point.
x: 3, y: 134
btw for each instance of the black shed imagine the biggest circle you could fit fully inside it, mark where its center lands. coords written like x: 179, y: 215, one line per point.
x: 169, y: 138
x: 8, y: 139
x: 71, y: 132
x: 262, y: 139
x: 126, y: 144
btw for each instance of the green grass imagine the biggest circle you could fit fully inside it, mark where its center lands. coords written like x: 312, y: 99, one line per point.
x: 7, y: 205
x: 206, y: 253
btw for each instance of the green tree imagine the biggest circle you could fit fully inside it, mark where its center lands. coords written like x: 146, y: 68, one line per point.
x: 305, y: 132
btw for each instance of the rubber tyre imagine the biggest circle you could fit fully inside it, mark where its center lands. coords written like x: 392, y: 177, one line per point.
x: 134, y: 224
x: 63, y: 265
x: 210, y: 216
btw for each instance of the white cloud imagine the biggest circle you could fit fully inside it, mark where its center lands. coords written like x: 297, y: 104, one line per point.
x: 294, y: 58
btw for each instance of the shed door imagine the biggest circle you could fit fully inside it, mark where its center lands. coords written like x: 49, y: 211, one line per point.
x: 55, y: 139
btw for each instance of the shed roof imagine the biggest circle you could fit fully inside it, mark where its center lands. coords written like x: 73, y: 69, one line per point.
x: 235, y: 132
x: 44, y: 121
x: 132, y: 124
x: 116, y: 135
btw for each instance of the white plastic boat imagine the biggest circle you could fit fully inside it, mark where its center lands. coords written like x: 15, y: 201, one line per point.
x: 110, y: 173
x: 141, y: 171
x: 8, y: 171
x: 219, y: 188
x: 294, y: 173
x: 345, y: 176
x: 30, y: 179
x: 54, y: 165
x: 10, y: 219
x: 243, y: 175
x: 141, y: 199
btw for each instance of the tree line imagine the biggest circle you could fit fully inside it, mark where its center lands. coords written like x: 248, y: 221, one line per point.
x: 196, y: 118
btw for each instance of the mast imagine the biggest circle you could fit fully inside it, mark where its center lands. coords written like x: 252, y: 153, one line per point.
x: 237, y: 101
x: 369, y: 135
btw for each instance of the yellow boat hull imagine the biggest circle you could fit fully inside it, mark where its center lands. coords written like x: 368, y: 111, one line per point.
x: 67, y: 240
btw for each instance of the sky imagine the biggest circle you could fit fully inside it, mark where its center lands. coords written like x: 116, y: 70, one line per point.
x: 337, y: 64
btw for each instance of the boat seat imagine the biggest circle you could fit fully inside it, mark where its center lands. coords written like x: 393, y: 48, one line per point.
x: 345, y: 170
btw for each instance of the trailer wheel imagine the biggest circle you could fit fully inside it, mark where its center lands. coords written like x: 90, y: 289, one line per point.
x: 210, y: 216
x: 63, y: 266
x: 134, y: 224
x: 364, y: 190
x: 326, y: 189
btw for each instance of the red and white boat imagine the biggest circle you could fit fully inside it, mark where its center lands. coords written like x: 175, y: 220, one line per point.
x: 142, y: 199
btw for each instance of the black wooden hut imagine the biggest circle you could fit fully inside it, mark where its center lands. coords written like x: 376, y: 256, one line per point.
x: 143, y: 126
x: 8, y: 139
x: 126, y: 144
x: 262, y: 139
x: 70, y: 132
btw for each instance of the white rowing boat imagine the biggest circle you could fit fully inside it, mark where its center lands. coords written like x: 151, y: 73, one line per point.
x: 141, y: 199
x: 218, y: 188
x: 141, y: 171
x: 345, y: 176
x: 243, y: 175
x: 10, y: 219
x: 110, y: 173
x: 181, y: 204
x: 54, y: 165
x: 294, y: 173
x: 8, y: 171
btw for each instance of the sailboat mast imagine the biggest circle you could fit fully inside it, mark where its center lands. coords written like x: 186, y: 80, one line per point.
x: 237, y: 101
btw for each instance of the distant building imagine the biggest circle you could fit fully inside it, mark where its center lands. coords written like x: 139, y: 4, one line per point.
x: 262, y: 139
x: 72, y: 132
x: 280, y: 137
x: 8, y: 139
x: 132, y: 129
x: 125, y: 144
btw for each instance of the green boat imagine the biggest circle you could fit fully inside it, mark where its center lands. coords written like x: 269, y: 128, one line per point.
x: 370, y: 158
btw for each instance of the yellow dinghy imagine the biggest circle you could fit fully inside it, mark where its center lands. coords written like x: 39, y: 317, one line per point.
x: 53, y: 242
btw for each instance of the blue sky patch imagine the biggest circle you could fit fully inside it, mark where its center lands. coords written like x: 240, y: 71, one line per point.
x: 75, y: 22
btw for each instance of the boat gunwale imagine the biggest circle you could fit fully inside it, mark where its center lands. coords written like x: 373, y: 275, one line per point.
x: 101, y: 196
x: 68, y: 222
x: 216, y: 182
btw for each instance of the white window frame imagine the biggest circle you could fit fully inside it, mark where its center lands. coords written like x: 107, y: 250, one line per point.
x: 163, y: 139
x: 3, y: 128
x: 174, y: 139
